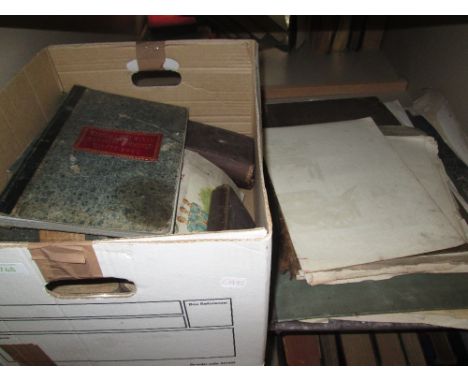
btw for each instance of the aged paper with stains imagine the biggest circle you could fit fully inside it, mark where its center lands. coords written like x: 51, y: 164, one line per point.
x: 349, y: 199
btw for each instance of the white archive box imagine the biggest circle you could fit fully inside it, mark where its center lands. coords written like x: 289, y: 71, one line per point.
x: 162, y: 300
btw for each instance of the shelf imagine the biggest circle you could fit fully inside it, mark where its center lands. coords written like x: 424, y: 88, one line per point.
x: 303, y: 74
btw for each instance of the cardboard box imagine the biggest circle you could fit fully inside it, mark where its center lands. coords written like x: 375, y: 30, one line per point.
x: 172, y: 300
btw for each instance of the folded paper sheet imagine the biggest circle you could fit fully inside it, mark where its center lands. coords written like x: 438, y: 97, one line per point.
x: 419, y: 153
x: 436, y: 109
x: 399, y: 112
x: 381, y: 270
x: 348, y: 198
x: 455, y: 318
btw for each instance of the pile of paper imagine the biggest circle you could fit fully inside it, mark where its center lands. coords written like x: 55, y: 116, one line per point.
x: 359, y: 205
x: 455, y: 318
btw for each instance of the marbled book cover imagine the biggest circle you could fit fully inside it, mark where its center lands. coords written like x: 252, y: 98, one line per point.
x: 113, y: 169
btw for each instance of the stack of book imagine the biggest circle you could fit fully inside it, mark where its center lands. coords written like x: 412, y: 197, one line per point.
x: 111, y: 166
x: 334, y: 34
x: 432, y: 348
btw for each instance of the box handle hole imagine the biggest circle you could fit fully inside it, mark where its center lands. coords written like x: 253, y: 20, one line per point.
x: 156, y: 78
x: 96, y: 287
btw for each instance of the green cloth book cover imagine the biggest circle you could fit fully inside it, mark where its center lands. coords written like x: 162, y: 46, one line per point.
x: 113, y: 168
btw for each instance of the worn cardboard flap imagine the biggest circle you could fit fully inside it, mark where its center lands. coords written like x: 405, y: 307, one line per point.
x: 216, y: 76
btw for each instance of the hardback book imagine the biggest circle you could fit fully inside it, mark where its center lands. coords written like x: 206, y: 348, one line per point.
x: 356, y: 32
x: 302, y: 350
x: 227, y: 211
x: 358, y: 349
x: 105, y: 165
x: 199, y: 179
x: 232, y: 152
x: 9, y: 234
x: 340, y: 42
x: 327, y: 110
x: 324, y: 33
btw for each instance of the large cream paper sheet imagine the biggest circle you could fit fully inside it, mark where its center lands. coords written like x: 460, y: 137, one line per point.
x: 349, y: 199
x: 419, y: 153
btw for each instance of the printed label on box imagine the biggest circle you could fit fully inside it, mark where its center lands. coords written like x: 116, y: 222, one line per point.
x: 209, y: 313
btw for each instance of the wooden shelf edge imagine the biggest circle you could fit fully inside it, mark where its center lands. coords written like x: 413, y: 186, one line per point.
x: 275, y: 92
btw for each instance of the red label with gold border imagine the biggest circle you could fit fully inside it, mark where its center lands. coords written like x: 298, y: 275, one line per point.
x: 120, y: 143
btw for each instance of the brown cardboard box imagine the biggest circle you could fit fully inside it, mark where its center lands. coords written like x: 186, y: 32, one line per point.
x: 179, y: 299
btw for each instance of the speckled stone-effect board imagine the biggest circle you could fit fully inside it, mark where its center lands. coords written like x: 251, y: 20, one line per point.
x: 98, y: 193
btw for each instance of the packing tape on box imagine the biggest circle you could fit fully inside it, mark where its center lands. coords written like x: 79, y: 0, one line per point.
x: 150, y: 55
x: 65, y: 261
x: 27, y: 355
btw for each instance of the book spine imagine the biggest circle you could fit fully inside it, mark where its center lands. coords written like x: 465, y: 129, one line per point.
x: 374, y: 31
x: 444, y: 354
x: 413, y: 350
x: 227, y: 211
x: 330, y: 355
x: 390, y: 350
x: 358, y: 349
x: 241, y: 172
x: 37, y: 151
x: 302, y: 350
x: 233, y: 153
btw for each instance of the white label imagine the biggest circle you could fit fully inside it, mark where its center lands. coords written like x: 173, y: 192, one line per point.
x: 209, y: 312
x: 12, y: 268
x: 233, y: 282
